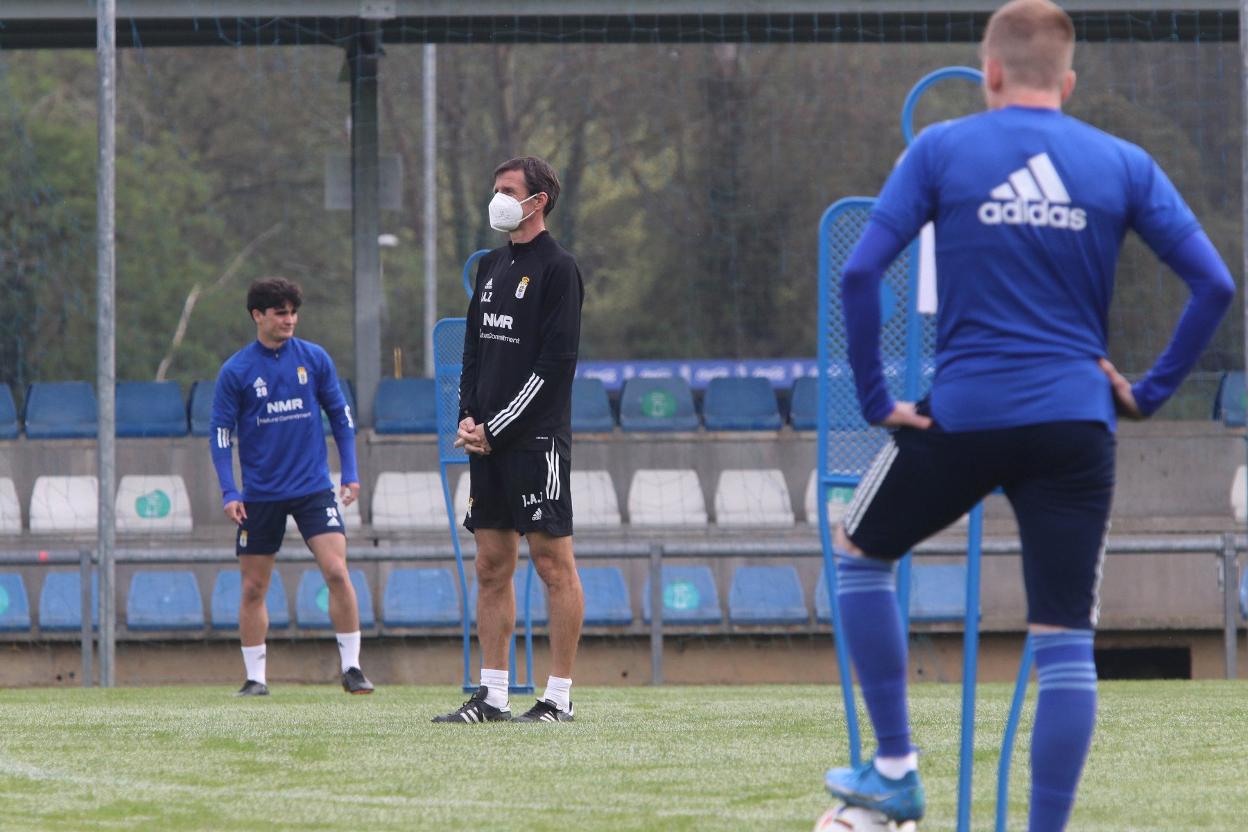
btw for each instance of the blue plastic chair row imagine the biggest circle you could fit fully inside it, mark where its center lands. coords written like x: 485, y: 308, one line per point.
x: 67, y: 409
x: 666, y: 404
x: 937, y: 593
x: 429, y: 597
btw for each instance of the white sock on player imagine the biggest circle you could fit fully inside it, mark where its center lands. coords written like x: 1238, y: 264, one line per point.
x: 896, y: 768
x: 349, y: 649
x: 254, y: 660
x: 496, y: 682
x: 558, y: 692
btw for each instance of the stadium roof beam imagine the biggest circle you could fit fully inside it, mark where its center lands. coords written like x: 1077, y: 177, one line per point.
x: 44, y: 24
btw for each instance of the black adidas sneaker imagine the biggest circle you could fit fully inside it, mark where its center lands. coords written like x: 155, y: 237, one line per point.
x: 547, y: 711
x: 476, y: 709
x: 253, y: 688
x: 354, y: 681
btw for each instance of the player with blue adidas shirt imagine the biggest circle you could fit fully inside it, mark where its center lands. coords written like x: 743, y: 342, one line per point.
x: 271, y: 393
x: 1030, y: 208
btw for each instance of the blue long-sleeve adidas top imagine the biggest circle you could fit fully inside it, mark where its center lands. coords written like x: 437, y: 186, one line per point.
x: 273, y: 400
x: 1030, y: 208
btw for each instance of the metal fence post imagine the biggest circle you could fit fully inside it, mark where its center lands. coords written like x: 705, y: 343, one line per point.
x: 1230, y: 611
x: 88, y: 636
x: 656, y: 614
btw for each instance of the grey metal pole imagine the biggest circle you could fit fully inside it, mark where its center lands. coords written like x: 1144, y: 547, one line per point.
x: 106, y: 324
x: 88, y: 634
x: 1230, y: 606
x: 430, y: 105
x: 1243, y: 183
x: 366, y: 214
x: 656, y: 614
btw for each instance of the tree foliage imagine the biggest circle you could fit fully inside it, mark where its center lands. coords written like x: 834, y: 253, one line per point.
x: 694, y: 178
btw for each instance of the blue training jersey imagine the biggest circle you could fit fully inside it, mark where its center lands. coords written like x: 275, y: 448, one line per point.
x: 273, y: 399
x: 1030, y: 207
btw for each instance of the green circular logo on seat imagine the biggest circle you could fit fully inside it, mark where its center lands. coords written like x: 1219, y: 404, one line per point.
x: 4, y: 600
x: 840, y: 495
x: 658, y: 404
x: 681, y: 595
x: 153, y: 505
x: 322, y: 599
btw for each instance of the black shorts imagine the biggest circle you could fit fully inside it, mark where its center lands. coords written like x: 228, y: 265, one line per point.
x: 265, y: 526
x: 1058, y: 477
x: 521, y: 490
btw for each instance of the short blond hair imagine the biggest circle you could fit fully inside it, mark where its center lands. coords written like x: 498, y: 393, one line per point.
x: 1034, y: 40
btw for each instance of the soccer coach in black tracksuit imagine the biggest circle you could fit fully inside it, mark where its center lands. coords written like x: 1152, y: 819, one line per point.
x: 520, y: 347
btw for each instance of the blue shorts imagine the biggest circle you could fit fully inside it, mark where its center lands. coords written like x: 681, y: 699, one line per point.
x: 1058, y: 477
x: 265, y: 526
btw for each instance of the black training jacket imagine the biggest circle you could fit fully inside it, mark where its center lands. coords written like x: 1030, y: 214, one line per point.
x: 524, y: 325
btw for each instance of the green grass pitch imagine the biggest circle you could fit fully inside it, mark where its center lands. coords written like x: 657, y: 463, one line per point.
x: 1167, y: 756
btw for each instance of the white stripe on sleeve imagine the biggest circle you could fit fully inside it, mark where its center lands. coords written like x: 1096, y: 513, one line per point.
x: 517, y: 405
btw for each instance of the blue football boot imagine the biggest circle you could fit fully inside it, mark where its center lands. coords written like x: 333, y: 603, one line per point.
x: 901, y: 800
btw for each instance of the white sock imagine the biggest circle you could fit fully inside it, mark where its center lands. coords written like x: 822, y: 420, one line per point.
x: 349, y: 649
x: 895, y: 768
x: 558, y: 691
x: 496, y: 682
x: 253, y: 660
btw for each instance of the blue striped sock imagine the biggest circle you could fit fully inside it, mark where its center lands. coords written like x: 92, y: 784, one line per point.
x: 871, y: 619
x: 1065, y: 718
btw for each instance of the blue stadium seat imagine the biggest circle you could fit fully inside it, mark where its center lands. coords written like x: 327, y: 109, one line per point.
x: 804, y: 404
x: 14, y: 605
x: 657, y: 404
x: 937, y: 592
x: 766, y: 595
x: 164, y: 600
x: 200, y: 406
x: 312, y: 601
x: 689, y: 596
x: 538, y: 609
x: 60, y: 601
x: 227, y: 590
x: 740, y: 404
x: 606, y: 596
x: 60, y: 410
x: 424, y: 597
x: 8, y: 413
x: 823, y: 607
x: 348, y: 393
x: 591, y: 409
x: 406, y: 405
x: 150, y: 408
x: 1231, y: 403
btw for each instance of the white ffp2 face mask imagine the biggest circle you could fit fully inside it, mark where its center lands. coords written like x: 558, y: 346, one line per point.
x: 506, y: 212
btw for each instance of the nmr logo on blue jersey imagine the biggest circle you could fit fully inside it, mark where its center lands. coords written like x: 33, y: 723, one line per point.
x: 1033, y: 195
x: 271, y: 400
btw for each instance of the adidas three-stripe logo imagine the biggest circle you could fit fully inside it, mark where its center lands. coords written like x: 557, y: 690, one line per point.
x: 1033, y: 195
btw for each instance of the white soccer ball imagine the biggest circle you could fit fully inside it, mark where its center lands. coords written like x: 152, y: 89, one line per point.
x: 855, y: 819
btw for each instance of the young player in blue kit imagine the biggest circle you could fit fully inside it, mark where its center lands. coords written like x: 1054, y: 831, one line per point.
x: 272, y: 392
x: 1030, y: 208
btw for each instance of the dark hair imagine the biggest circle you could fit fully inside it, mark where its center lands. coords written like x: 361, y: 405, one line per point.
x: 539, y: 177
x: 273, y: 293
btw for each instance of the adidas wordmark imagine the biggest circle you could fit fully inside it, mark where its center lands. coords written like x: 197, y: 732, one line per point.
x: 1033, y: 195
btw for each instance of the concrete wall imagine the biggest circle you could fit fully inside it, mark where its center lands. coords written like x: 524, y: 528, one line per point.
x: 1172, y: 476
x: 716, y: 659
